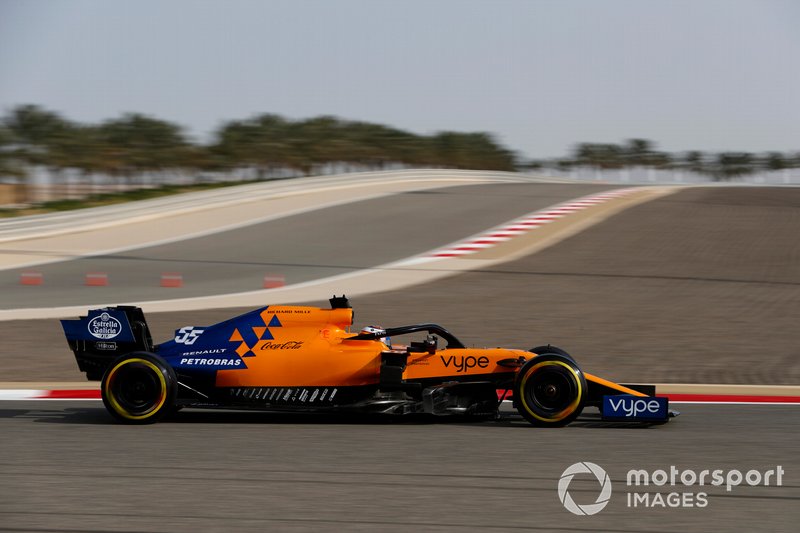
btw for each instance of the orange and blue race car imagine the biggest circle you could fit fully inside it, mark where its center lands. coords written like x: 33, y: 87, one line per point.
x: 296, y: 358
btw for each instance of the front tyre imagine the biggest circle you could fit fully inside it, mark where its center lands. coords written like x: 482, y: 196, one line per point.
x: 543, y: 350
x: 550, y: 390
x: 139, y: 388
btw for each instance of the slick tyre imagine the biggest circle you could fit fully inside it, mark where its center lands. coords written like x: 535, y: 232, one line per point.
x: 139, y: 388
x: 550, y: 390
x: 544, y: 350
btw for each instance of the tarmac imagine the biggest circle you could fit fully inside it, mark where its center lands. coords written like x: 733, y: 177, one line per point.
x: 696, y: 287
x: 700, y: 286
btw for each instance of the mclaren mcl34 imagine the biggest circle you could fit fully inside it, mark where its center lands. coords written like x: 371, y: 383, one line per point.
x: 294, y: 358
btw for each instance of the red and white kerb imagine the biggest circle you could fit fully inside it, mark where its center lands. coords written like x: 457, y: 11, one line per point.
x: 525, y: 224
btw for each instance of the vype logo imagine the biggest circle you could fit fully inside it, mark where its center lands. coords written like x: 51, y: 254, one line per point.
x: 635, y: 408
x: 462, y: 364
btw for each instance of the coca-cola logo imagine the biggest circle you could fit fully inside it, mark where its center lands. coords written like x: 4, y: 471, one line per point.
x: 288, y: 345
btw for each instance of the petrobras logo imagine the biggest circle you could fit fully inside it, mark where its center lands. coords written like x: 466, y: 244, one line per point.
x: 201, y: 361
x: 104, y: 326
x: 603, y: 497
x: 209, y: 361
x: 628, y: 407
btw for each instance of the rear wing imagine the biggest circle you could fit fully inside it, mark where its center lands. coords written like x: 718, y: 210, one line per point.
x: 101, y: 336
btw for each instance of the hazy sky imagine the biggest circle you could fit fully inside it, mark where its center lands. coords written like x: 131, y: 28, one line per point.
x: 540, y: 75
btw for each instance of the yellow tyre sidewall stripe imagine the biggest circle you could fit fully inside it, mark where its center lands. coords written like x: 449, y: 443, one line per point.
x: 121, y: 410
x: 569, y: 409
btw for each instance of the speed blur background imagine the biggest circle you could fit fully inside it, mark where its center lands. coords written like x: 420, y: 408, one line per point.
x: 105, y: 103
x: 99, y: 97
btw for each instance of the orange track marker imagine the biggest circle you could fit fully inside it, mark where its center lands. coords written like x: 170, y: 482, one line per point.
x: 31, y: 278
x: 273, y: 281
x: 96, y: 279
x: 172, y: 280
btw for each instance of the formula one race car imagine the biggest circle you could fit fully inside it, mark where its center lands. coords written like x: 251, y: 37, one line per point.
x: 304, y: 358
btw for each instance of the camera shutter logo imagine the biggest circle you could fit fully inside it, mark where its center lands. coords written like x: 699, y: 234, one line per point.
x: 584, y: 468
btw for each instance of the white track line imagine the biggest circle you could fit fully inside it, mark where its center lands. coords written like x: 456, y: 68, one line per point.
x: 45, y: 395
x: 51, y: 224
x: 20, y: 394
x: 435, y: 266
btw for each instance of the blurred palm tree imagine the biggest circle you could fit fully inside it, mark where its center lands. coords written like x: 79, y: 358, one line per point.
x: 776, y: 161
x: 638, y: 152
x: 10, y: 160
x: 730, y: 165
x: 642, y: 152
x: 261, y: 142
x: 694, y: 161
x: 37, y: 134
x: 135, y: 144
x: 600, y: 156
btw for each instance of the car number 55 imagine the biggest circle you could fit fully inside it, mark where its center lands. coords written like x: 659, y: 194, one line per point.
x: 188, y: 335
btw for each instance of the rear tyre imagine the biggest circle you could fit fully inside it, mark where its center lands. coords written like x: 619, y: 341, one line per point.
x: 139, y: 388
x: 550, y: 390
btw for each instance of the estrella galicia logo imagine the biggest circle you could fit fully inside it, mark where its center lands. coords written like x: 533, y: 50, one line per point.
x: 104, y: 326
x: 584, y: 468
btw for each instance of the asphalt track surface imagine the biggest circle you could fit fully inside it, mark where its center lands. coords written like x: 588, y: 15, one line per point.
x: 300, y: 248
x: 67, y: 467
x: 700, y: 286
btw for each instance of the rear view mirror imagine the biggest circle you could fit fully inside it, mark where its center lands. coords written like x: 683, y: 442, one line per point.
x: 431, y: 343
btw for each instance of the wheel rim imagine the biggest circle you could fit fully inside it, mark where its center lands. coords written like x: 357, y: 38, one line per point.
x: 551, y: 391
x: 136, y: 388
